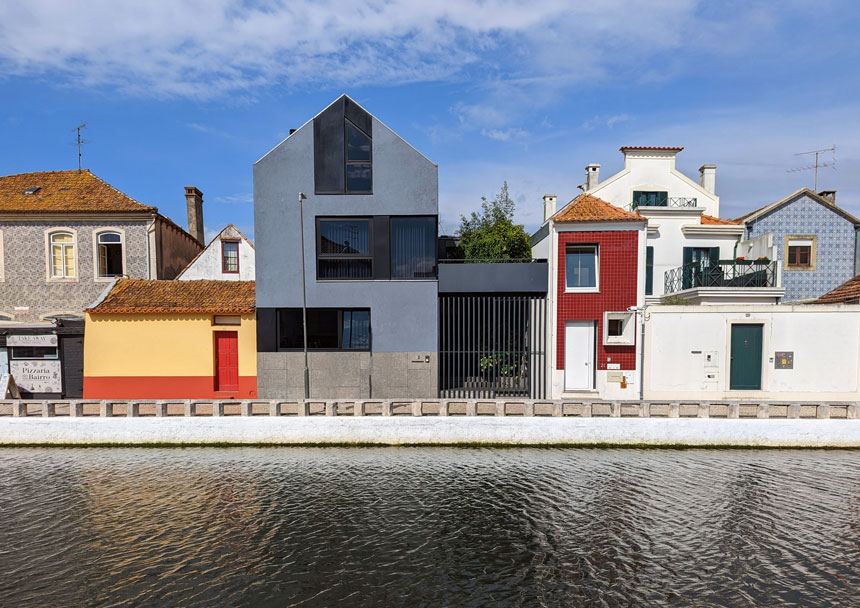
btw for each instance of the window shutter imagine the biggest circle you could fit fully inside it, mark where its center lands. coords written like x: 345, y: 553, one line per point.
x: 688, y: 255
x: 649, y: 271
x: 715, y: 256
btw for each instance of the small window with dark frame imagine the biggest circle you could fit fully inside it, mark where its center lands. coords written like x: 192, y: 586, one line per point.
x: 800, y: 255
x: 359, y: 162
x: 328, y: 329
x: 615, y: 328
x: 230, y: 257
x: 344, y: 249
x: 110, y: 254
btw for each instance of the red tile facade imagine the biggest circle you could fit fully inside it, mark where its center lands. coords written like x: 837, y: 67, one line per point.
x: 618, y: 257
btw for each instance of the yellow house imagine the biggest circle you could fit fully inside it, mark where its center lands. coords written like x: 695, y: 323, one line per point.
x: 149, y: 339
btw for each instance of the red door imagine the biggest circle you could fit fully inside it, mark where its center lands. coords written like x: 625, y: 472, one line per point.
x: 226, y: 361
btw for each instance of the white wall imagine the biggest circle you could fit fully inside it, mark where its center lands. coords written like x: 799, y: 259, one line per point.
x: 208, y: 264
x: 825, y: 341
x: 758, y: 247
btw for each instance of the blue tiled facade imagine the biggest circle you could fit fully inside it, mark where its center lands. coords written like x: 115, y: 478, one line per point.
x: 835, y: 245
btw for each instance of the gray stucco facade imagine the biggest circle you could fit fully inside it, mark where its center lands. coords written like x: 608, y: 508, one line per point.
x: 401, y: 360
x: 835, y: 237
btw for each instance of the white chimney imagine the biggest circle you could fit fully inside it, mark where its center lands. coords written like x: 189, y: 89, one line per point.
x: 708, y: 177
x: 592, y: 176
x: 549, y: 201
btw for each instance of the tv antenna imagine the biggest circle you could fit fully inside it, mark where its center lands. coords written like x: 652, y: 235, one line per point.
x: 817, y: 165
x: 80, y: 141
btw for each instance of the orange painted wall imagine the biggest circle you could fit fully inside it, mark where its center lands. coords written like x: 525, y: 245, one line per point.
x: 164, y: 387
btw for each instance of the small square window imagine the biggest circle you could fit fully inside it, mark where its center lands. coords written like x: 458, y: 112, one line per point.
x: 800, y: 252
x: 615, y: 328
x: 619, y: 328
x: 581, y: 267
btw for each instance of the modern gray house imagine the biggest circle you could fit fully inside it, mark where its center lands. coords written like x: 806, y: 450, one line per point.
x: 370, y: 224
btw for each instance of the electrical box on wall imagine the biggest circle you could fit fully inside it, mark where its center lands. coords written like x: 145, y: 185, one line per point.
x: 783, y: 360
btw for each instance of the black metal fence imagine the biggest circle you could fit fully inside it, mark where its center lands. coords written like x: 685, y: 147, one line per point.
x: 722, y: 273
x: 492, y: 346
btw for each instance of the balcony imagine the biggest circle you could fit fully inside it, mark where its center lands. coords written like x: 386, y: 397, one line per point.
x: 725, y: 281
x: 493, y: 276
x: 682, y: 202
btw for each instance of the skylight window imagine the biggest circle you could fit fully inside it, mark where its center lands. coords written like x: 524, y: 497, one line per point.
x: 32, y: 190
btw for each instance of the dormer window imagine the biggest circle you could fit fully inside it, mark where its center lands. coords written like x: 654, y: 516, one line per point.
x: 32, y: 190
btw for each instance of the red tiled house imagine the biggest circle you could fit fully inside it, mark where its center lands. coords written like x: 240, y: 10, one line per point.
x: 597, y: 280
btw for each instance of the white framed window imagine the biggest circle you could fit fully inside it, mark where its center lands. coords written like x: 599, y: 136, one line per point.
x: 619, y: 328
x: 109, y: 252
x: 62, y: 254
x: 581, y: 268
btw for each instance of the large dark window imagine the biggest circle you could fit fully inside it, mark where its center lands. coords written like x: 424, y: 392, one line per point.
x: 328, y: 329
x: 359, y: 168
x: 413, y: 247
x: 344, y: 249
x: 645, y: 198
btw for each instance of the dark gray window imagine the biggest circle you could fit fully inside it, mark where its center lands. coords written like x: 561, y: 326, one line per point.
x: 344, y: 249
x: 359, y: 168
x: 413, y: 247
x: 328, y: 329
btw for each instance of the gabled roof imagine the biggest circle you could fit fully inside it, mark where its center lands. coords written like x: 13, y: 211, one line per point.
x: 589, y: 208
x: 142, y: 296
x: 769, y: 208
x: 849, y: 290
x: 64, y: 192
x: 231, y: 232
x: 710, y: 220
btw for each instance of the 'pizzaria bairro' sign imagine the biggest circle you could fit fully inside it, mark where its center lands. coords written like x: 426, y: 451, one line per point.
x: 37, y: 376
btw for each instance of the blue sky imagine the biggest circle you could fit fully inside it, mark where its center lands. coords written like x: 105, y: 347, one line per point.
x: 181, y: 92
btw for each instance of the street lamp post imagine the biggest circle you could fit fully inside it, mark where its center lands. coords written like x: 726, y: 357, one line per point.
x: 302, y: 197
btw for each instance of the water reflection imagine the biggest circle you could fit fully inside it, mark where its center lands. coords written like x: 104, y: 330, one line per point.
x: 428, y: 527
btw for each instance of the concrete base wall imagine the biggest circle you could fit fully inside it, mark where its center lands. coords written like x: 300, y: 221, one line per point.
x: 339, y: 375
x: 430, y: 431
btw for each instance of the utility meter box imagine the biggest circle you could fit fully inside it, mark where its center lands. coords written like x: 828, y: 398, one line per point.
x: 783, y: 360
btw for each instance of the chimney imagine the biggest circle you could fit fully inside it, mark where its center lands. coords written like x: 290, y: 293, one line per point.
x: 194, y: 202
x: 708, y: 177
x: 549, y: 201
x: 829, y: 195
x: 592, y: 176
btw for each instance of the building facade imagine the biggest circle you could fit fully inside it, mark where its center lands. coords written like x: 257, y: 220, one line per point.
x: 228, y: 257
x: 815, y: 241
x: 369, y: 229
x: 172, y: 340
x: 691, y: 252
x: 597, y: 286
x: 64, y: 236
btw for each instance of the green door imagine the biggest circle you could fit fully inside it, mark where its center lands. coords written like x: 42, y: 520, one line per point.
x: 745, y: 372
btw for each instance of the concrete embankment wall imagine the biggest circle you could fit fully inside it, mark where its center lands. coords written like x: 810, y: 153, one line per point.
x: 323, y: 430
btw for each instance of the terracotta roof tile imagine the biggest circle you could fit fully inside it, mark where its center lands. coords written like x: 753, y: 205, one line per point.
x: 849, y: 290
x: 141, y: 296
x: 716, y: 221
x: 589, y: 208
x: 675, y: 148
x: 64, y: 191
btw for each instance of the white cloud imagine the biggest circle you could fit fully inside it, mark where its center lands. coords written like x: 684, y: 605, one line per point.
x: 515, y: 51
x: 604, y: 121
x: 504, y: 134
x: 235, y: 198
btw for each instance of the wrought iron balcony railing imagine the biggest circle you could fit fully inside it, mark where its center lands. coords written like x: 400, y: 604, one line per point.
x: 664, y: 202
x: 722, y: 273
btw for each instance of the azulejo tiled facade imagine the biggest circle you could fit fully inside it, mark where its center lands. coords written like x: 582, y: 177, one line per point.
x: 835, y: 244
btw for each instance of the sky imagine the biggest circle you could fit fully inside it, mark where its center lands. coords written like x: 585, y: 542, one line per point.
x: 193, y: 92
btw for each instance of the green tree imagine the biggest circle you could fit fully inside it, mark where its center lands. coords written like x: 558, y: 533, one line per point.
x: 492, y: 234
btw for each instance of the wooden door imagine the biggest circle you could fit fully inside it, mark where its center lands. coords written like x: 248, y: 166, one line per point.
x: 226, y: 361
x: 745, y: 372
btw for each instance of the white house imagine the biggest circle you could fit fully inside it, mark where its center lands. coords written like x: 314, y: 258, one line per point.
x: 752, y: 352
x: 690, y: 252
x: 227, y: 257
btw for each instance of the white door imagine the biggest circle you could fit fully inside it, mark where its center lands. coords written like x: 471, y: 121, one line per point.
x: 579, y: 355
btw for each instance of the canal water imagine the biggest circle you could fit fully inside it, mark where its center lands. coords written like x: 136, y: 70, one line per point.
x: 429, y: 527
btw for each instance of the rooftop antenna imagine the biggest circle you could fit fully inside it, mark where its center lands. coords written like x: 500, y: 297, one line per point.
x: 80, y: 141
x: 817, y: 165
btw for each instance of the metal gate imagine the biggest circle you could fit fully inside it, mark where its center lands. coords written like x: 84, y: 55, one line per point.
x: 492, y: 346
